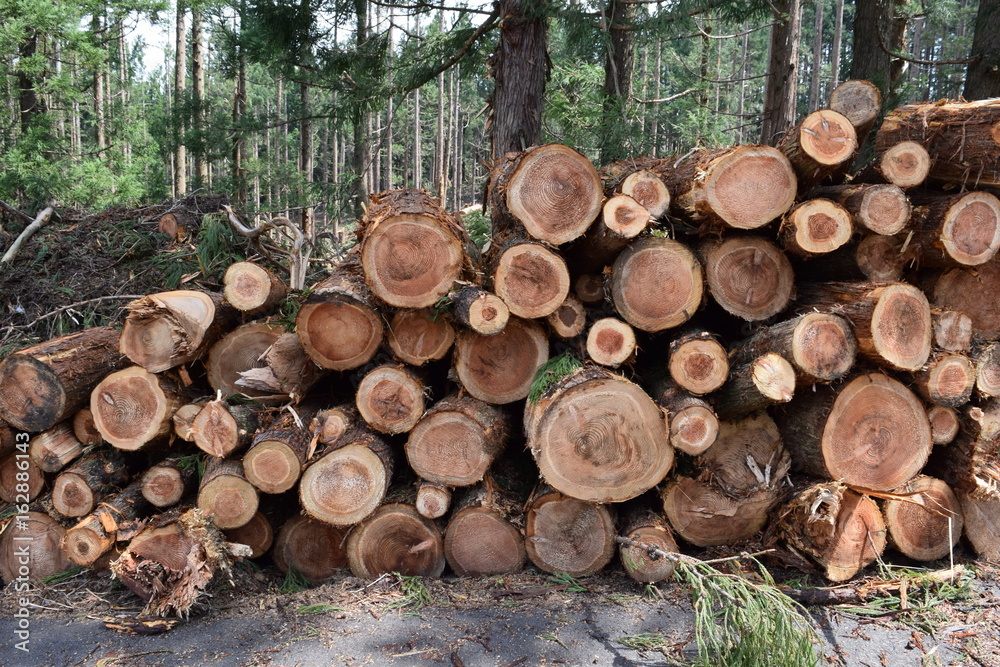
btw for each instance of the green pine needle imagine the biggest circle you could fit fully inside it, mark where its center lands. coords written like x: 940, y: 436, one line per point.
x: 550, y: 373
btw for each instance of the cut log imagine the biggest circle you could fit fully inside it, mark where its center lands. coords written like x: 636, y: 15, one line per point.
x: 46, y: 383
x: 77, y: 490
x: 47, y: 554
x: 167, y: 482
x: 457, y: 440
x: 395, y: 539
x: 332, y: 424
x: 313, y: 548
x: 499, y: 369
x: 419, y: 336
x: 569, y: 319
x: 551, y: 190
x: 882, y: 258
x: 172, y: 328
x: 961, y: 229
x: 947, y: 379
x: 820, y: 346
x: 96, y: 533
x: 347, y: 484
x: 133, y: 407
x: 878, y: 208
x: 871, y: 433
x: 971, y: 463
x: 172, y: 561
x: 821, y: 144
x: 596, y: 436
x: 531, y: 279
x: 8, y: 437
x: 650, y: 529
x: 860, y: 101
x: 226, y: 495
x: 952, y: 330
x: 925, y: 523
x: 841, y: 530
x: 815, y: 227
x: 479, y: 310
x: 622, y: 220
x: 20, y: 479
x: 258, y: 534
x: 589, y: 288
x: 656, y: 284
x: 711, y: 186
x: 892, y: 322
x: 988, y: 370
x: 702, y: 515
x: 767, y: 380
x: 284, y: 369
x: 698, y: 362
x: 962, y: 139
x: 84, y: 429
x: 749, y: 277
x: 747, y: 458
x: 905, y: 164
x: 693, y: 424
x: 55, y: 448
x: 253, y: 289
x: 183, y: 420
x: 944, y: 424
x: 611, y: 342
x: 412, y: 250
x: 274, y: 461
x: 221, y: 429
x: 564, y: 534
x: 639, y: 178
x: 432, y: 500
x: 482, y: 538
x: 390, y: 398
x: 982, y: 525
x: 975, y: 293
x: 237, y: 352
x: 338, y: 324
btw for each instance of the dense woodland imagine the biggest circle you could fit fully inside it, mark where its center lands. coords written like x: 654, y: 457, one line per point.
x: 309, y: 106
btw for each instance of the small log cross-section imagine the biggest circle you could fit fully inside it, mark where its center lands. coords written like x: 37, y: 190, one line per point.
x: 391, y: 399
x: 944, y: 424
x: 172, y: 328
x: 905, y: 164
x: 96, y: 533
x: 879, y: 208
x: 767, y: 380
x: 221, y: 429
x: 479, y: 310
x: 226, y: 495
x: 84, y: 429
x: 952, y: 330
x: 12, y: 478
x: 552, y: 191
x: 395, y: 539
x: 924, y: 519
x: 698, y: 362
x: 529, y: 277
x: 412, y: 250
x: 656, y: 284
x: 819, y: 145
x: 167, y: 482
x: 482, y: 537
x: 499, y: 369
x: 749, y: 277
x: 564, y: 534
x: 959, y: 229
x: 622, y: 220
x: 611, y: 342
x: 251, y: 288
x: 816, y: 227
x: 238, y: 352
x: 433, y: 500
x: 570, y: 319
x: 649, y: 190
x: 314, y: 548
x: 258, y: 534
x: 947, y: 379
x: 419, y: 336
x: 44, y: 384
x: 860, y: 101
x: 598, y: 437
x: 133, y: 407
x: 274, y: 462
x: 79, y: 488
x: 646, y: 529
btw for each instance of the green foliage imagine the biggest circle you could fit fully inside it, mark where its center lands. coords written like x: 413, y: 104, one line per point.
x: 415, y: 594
x: 569, y: 581
x: 193, y: 462
x: 479, y: 227
x: 64, y: 576
x: 294, y: 581
x: 318, y: 609
x: 550, y: 373
x: 645, y: 641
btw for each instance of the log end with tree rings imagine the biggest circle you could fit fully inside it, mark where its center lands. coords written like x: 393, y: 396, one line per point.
x: 749, y: 277
x: 693, y: 429
x: 610, y: 342
x: 84, y: 429
x: 883, y: 209
x: 905, y: 164
x: 598, y: 437
x: 53, y: 449
x: 656, y: 284
x: 481, y: 311
x: 272, y: 466
x: 952, y: 330
x: 880, y: 258
x: 239, y: 350
x: 48, y: 554
x: 419, y: 336
x: 531, y: 279
x: 344, y: 486
x: 988, y: 370
x: 877, y: 435
x: 251, y: 288
x: 390, y: 399
x: 705, y: 517
x: 132, y: 407
x: 925, y: 522
x: 226, y: 495
x: 589, y: 288
x: 330, y: 425
x: 258, y: 534
x: 480, y: 542
x: 499, y: 369
x: 747, y: 457
x: 216, y: 431
x: 555, y: 192
x: 828, y: 137
x: 947, y: 380
x: 973, y: 292
x: 411, y: 260
x: 569, y: 319
x: 816, y: 227
x: 859, y: 100
x: 624, y: 217
x: 654, y: 532
x: 750, y: 186
x: 171, y: 328
x: 971, y: 230
x: 395, y: 539
x: 314, y: 548
x: 450, y: 446
x: 649, y: 190
x: 564, y: 534
x: 339, y: 333
x: 31, y: 396
x: 164, y: 485
x: 432, y: 500
x: 901, y: 327
x: 699, y: 365
x: 183, y: 420
x: 982, y: 524
x: 823, y: 346
x: 944, y: 424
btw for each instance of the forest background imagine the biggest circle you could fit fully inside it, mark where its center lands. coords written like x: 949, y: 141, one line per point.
x: 302, y: 108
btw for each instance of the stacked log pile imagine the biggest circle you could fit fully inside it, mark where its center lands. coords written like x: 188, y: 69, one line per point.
x: 734, y: 343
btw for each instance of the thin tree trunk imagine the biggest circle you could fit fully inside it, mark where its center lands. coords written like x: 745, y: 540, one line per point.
x: 305, y: 159
x: 180, y: 86
x: 838, y: 35
x: 817, y: 55
x: 779, y: 91
x: 983, y: 80
x: 198, y: 83
x: 239, y: 139
x: 361, y: 146
x: 417, y: 162
x: 441, y: 143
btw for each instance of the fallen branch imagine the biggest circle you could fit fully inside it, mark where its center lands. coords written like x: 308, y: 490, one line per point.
x: 40, y: 221
x: 24, y: 217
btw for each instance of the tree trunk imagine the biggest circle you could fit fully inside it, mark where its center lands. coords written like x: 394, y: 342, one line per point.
x: 96, y: 533
x: 77, y: 490
x: 617, y: 22
x: 564, y: 534
x: 313, y: 548
x: 962, y: 229
x: 926, y: 523
x: 779, y: 91
x: 253, y: 289
x: 274, y: 462
x: 133, y: 407
x: 168, y: 482
x: 483, y: 536
x: 656, y: 284
x: 499, y: 369
x: 817, y: 55
x: 180, y: 99
x: 479, y: 310
x: 199, y: 97
x: 395, y: 539
x: 882, y: 209
x: 835, y: 48
x: 815, y: 227
x: 749, y: 277
x: 29, y: 103
x: 983, y: 78
x: 225, y: 494
x: 55, y: 448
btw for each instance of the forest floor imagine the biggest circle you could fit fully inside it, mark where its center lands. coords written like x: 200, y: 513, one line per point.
x: 524, y: 619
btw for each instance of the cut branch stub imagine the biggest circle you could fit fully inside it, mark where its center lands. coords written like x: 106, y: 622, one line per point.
x: 395, y: 539
x: 816, y: 227
x: 419, y: 336
x: 656, y: 284
x: 133, y: 407
x: 564, y: 534
x: 237, y: 352
x: 391, y: 399
x: 412, y: 250
x: 499, y: 369
x: 596, y: 436
x: 749, y: 277
x: 919, y: 521
x: 252, y: 289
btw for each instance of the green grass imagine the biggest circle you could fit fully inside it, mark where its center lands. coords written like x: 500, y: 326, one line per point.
x: 569, y: 581
x: 645, y: 641
x: 65, y: 575
x: 294, y: 581
x: 318, y: 609
x: 416, y: 595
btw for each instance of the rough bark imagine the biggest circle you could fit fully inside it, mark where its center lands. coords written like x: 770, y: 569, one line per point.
x: 55, y: 448
x: 975, y: 293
